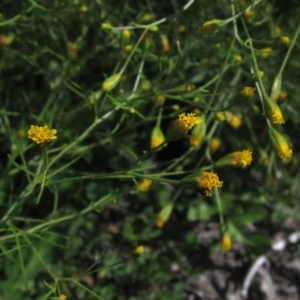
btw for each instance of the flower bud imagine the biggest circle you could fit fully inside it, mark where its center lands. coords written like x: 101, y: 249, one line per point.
x: 273, y: 111
x: 125, y: 37
x: 198, y: 133
x: 160, y: 99
x: 139, y: 250
x: 6, y: 40
x: 265, y: 52
x: 164, y: 215
x: 248, y: 92
x: 157, y: 138
x: 106, y: 27
x: 165, y: 46
x: 234, y: 120
x: 144, y: 185
x: 179, y: 128
x: 111, y: 82
x: 219, y: 116
x: 211, y: 27
x: 72, y: 50
x: 248, y: 15
x: 276, y: 88
x: 226, y: 244
x: 280, y: 144
x: 215, y: 145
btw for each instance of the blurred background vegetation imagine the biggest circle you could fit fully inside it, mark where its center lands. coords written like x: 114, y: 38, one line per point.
x: 73, y: 212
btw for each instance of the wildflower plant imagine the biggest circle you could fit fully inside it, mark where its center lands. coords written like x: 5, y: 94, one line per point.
x: 126, y: 119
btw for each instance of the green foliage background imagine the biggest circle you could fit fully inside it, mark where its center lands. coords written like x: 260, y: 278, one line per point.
x: 70, y: 214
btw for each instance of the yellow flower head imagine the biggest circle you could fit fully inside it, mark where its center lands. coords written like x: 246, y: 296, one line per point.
x: 62, y: 297
x: 164, y: 215
x: 273, y: 111
x: 219, y: 116
x: 282, y: 96
x: 280, y: 144
x: 72, y: 50
x: 265, y: 52
x: 211, y: 27
x: 41, y: 135
x: 178, y: 128
x: 139, y: 250
x: 242, y: 158
x: 160, y: 99
x: 285, y: 40
x: 237, y: 57
x: 187, y: 121
x: 236, y: 159
x: 248, y: 91
x: 226, y: 242
x: 234, y: 120
x: 248, y: 15
x: 208, y: 181
x: 144, y: 185
x: 214, y: 145
x: 160, y: 222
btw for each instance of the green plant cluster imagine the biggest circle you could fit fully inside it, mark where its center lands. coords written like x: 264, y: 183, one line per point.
x: 110, y: 79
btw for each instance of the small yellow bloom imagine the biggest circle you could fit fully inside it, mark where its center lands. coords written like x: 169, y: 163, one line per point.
x: 128, y: 48
x: 20, y: 133
x: 165, y: 46
x: 248, y: 15
x: 248, y: 91
x: 242, y: 158
x: 285, y: 40
x: 178, y: 128
x: 208, y: 181
x: 84, y: 9
x: 72, y: 50
x: 219, y: 116
x: 282, y: 96
x: 6, y: 40
x: 234, y: 120
x: 198, y: 134
x: 139, y: 250
x: 144, y: 185
x: 111, y: 82
x: 164, y: 215
x: 62, y: 297
x: 211, y: 27
x: 160, y: 99
x: 159, y: 222
x: 215, y: 145
x: 41, y: 135
x: 237, y: 58
x: 264, y: 159
x: 280, y: 144
x: 157, y: 138
x: 236, y: 159
x: 226, y: 242
x: 273, y: 111
x: 265, y: 52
